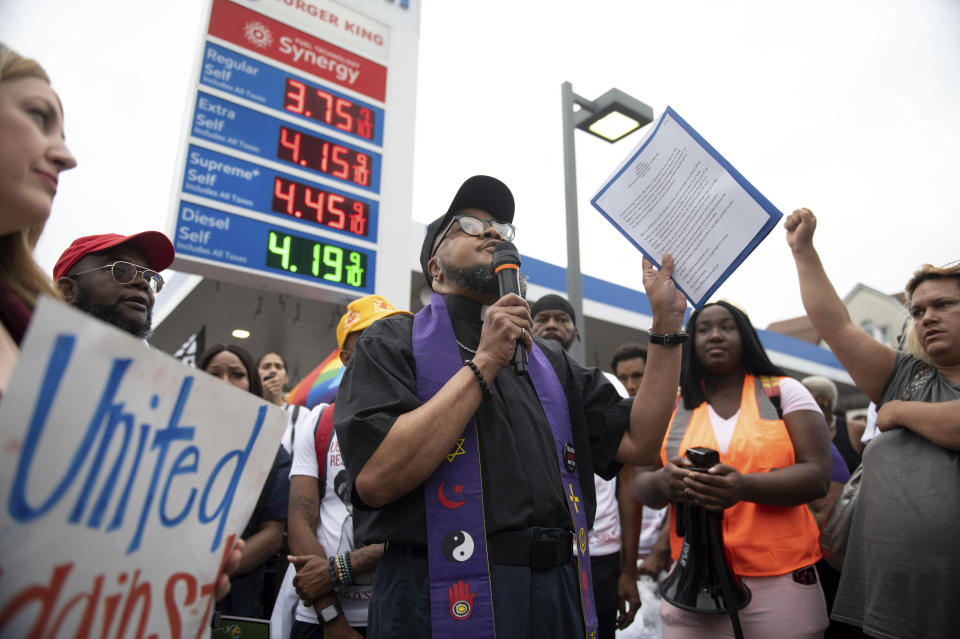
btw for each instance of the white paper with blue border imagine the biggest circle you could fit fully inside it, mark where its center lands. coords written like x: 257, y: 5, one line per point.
x: 676, y: 194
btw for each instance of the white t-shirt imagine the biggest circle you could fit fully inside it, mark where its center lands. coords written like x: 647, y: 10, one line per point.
x: 653, y: 519
x: 871, y: 430
x: 794, y: 396
x: 605, y: 534
x: 335, y: 525
x: 303, y: 418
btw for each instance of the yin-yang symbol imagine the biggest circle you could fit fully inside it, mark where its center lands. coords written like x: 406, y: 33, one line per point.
x: 458, y: 545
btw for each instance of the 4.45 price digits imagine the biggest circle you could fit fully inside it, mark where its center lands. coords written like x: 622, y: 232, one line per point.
x: 317, y: 104
x: 323, y: 261
x: 316, y: 205
x: 324, y: 156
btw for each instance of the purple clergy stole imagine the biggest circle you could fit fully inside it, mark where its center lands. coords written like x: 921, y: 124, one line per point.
x: 461, y: 603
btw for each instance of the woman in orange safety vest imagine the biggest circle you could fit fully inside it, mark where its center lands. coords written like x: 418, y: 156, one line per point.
x: 773, y: 461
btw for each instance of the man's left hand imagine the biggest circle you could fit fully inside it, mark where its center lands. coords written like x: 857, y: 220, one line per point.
x: 629, y: 598
x: 313, y: 577
x: 668, y: 303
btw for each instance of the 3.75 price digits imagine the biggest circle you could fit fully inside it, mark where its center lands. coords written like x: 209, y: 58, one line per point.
x: 319, y: 105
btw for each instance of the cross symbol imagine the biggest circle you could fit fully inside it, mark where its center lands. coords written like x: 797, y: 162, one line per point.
x: 574, y: 499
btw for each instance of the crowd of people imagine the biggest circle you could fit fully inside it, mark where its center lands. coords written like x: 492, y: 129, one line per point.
x: 451, y: 491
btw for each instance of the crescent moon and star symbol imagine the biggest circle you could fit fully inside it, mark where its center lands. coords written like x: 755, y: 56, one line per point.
x: 449, y: 503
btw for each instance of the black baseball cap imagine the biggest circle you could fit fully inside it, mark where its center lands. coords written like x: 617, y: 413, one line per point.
x: 478, y: 192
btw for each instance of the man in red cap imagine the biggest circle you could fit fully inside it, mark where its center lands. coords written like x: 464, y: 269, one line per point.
x: 115, y: 277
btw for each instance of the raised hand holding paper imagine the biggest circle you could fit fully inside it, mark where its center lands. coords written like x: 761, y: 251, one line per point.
x: 676, y: 194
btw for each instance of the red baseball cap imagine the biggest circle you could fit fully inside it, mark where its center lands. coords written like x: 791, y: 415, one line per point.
x: 155, y: 246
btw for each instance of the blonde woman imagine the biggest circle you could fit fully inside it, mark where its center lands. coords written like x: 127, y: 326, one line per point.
x: 32, y: 156
x: 903, y: 555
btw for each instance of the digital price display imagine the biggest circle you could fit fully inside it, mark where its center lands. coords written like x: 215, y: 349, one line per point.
x: 247, y: 130
x: 324, y: 156
x: 323, y: 261
x: 283, y: 158
x: 314, y: 102
x: 323, y: 106
x: 262, y: 247
x: 321, y: 206
x: 240, y: 183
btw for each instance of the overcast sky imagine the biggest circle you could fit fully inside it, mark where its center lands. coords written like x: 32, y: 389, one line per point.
x: 846, y: 107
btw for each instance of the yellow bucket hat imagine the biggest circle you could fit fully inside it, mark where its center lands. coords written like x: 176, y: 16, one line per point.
x: 362, y: 313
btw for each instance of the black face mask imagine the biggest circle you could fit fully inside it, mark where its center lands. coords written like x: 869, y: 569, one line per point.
x: 112, y: 315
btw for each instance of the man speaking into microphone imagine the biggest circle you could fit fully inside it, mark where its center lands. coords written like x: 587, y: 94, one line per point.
x: 479, y: 478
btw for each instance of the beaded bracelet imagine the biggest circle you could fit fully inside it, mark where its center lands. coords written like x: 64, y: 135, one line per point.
x: 343, y: 567
x: 341, y: 576
x: 487, y: 393
x: 349, y: 568
x: 333, y: 573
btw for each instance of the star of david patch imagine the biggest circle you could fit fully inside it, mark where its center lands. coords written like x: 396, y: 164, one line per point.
x: 457, y: 450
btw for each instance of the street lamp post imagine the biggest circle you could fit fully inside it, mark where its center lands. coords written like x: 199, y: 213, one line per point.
x: 594, y: 117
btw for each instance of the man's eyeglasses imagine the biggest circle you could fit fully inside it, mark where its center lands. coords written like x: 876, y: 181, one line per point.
x: 125, y: 273
x: 474, y: 226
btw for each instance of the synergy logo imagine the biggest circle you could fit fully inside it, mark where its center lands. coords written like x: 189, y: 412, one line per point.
x: 258, y: 34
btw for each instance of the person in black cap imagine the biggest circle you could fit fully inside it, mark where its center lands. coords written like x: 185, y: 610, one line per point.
x: 553, y: 318
x: 398, y: 435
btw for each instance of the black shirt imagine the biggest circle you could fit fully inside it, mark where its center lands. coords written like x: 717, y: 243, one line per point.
x: 519, y: 460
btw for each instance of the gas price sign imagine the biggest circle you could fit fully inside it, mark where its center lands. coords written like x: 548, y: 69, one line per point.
x: 283, y: 164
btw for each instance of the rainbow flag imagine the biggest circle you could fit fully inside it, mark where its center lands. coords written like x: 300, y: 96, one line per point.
x: 320, y: 386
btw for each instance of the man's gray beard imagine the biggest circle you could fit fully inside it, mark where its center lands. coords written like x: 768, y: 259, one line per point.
x: 480, y: 278
x: 112, y: 315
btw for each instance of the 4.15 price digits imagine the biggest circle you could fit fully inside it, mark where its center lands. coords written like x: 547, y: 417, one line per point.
x: 324, y: 156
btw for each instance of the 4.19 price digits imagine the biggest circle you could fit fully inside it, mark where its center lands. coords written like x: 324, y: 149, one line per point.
x: 324, y: 156
x: 317, y: 205
x: 319, y: 105
x: 324, y: 261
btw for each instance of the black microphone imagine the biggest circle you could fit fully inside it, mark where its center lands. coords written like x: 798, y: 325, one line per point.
x: 506, y: 264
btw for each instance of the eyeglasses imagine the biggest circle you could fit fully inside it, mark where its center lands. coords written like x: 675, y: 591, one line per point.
x: 125, y: 273
x: 474, y: 226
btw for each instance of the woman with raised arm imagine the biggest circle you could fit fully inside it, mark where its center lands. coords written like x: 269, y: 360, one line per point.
x: 773, y: 461
x: 903, y: 554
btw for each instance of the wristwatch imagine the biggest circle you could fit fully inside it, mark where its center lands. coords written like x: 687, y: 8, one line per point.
x: 670, y: 339
x: 330, y: 613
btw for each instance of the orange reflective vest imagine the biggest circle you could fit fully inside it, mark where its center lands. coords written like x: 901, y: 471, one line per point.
x: 761, y: 540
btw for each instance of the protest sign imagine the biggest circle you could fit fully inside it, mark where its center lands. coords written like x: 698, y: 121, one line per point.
x: 124, y: 477
x: 676, y: 194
